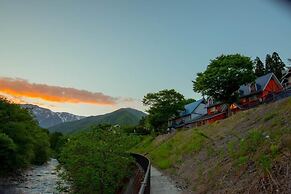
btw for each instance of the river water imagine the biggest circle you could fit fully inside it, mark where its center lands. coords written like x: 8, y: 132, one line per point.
x: 37, y: 180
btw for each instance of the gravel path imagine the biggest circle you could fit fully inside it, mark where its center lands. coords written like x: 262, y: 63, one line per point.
x: 161, y: 184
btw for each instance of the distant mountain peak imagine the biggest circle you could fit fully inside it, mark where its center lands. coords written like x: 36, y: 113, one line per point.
x: 48, y: 118
x: 122, y: 117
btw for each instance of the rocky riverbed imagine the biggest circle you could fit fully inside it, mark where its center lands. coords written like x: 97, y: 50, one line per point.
x: 38, y: 179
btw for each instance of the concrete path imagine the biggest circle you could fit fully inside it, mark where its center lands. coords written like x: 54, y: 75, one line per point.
x: 161, y: 184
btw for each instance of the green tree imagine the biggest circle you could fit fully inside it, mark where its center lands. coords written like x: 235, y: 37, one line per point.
x: 142, y: 128
x: 57, y: 141
x: 269, y: 63
x: 163, y: 105
x: 96, y: 161
x: 259, y: 67
x: 278, y: 65
x: 7, y: 154
x: 189, y: 100
x: 22, y: 141
x: 223, y: 77
x: 274, y: 64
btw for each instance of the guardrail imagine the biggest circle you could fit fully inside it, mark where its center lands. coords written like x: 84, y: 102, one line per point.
x: 145, y: 163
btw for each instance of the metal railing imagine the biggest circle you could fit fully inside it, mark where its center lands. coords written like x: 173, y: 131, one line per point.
x: 145, y: 163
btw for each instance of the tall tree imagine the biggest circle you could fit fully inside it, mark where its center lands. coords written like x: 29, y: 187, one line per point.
x: 162, y: 105
x: 278, y: 65
x: 223, y: 77
x: 269, y: 63
x: 275, y: 65
x: 259, y: 67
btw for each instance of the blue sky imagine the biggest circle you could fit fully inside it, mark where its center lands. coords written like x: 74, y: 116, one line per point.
x: 129, y: 48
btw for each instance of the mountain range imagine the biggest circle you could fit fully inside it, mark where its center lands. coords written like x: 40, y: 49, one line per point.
x: 67, y: 123
x: 47, y: 118
x: 122, y: 117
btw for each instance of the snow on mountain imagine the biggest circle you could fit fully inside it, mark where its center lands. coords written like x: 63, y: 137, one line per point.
x: 47, y: 118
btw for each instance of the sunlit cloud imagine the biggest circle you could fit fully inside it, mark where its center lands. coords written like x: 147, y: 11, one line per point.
x: 22, y: 88
x: 13, y: 99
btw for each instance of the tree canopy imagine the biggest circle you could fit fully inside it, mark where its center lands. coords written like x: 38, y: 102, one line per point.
x: 163, y: 105
x: 259, y: 67
x: 97, y: 161
x: 274, y: 64
x: 223, y: 77
x: 22, y: 141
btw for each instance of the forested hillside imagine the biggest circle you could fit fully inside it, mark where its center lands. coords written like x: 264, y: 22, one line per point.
x: 122, y: 117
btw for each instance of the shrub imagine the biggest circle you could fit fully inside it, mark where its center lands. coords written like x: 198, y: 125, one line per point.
x: 96, y: 161
x: 265, y: 162
x: 7, y: 153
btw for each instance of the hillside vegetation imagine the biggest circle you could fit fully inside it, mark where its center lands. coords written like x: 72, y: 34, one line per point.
x: 97, y: 161
x: 248, y: 152
x: 22, y: 141
x: 123, y: 117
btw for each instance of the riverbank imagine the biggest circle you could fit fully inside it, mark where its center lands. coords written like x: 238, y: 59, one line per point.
x: 37, y: 179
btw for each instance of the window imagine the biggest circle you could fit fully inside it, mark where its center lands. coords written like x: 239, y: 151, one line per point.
x: 243, y: 100
x: 213, y: 109
x: 253, y: 88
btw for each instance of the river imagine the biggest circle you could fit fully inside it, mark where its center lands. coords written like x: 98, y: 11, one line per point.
x: 38, y: 179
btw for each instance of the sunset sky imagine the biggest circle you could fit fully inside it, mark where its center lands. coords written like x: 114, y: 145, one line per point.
x: 93, y: 57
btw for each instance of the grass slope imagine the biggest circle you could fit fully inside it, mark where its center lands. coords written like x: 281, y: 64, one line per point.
x: 247, y: 153
x: 123, y: 117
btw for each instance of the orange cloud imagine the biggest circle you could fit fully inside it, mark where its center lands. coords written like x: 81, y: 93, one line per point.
x: 22, y: 88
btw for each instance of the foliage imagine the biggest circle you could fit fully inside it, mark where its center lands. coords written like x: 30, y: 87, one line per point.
x: 57, y: 141
x: 163, y: 105
x: 138, y: 130
x: 96, y: 160
x: 259, y: 67
x: 189, y: 100
x: 278, y: 65
x: 22, y: 141
x: 275, y: 65
x: 7, y: 152
x: 268, y: 63
x: 143, y: 128
x: 223, y: 77
x: 170, y: 151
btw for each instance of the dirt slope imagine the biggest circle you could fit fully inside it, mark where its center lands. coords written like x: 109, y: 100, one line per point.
x: 249, y: 152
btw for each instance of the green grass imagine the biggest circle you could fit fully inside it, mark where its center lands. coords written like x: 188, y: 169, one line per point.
x: 225, y: 150
x: 270, y: 116
x: 164, y: 154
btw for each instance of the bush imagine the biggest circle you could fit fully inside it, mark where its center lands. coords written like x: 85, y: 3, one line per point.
x: 7, y: 153
x: 96, y: 161
x: 57, y: 141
